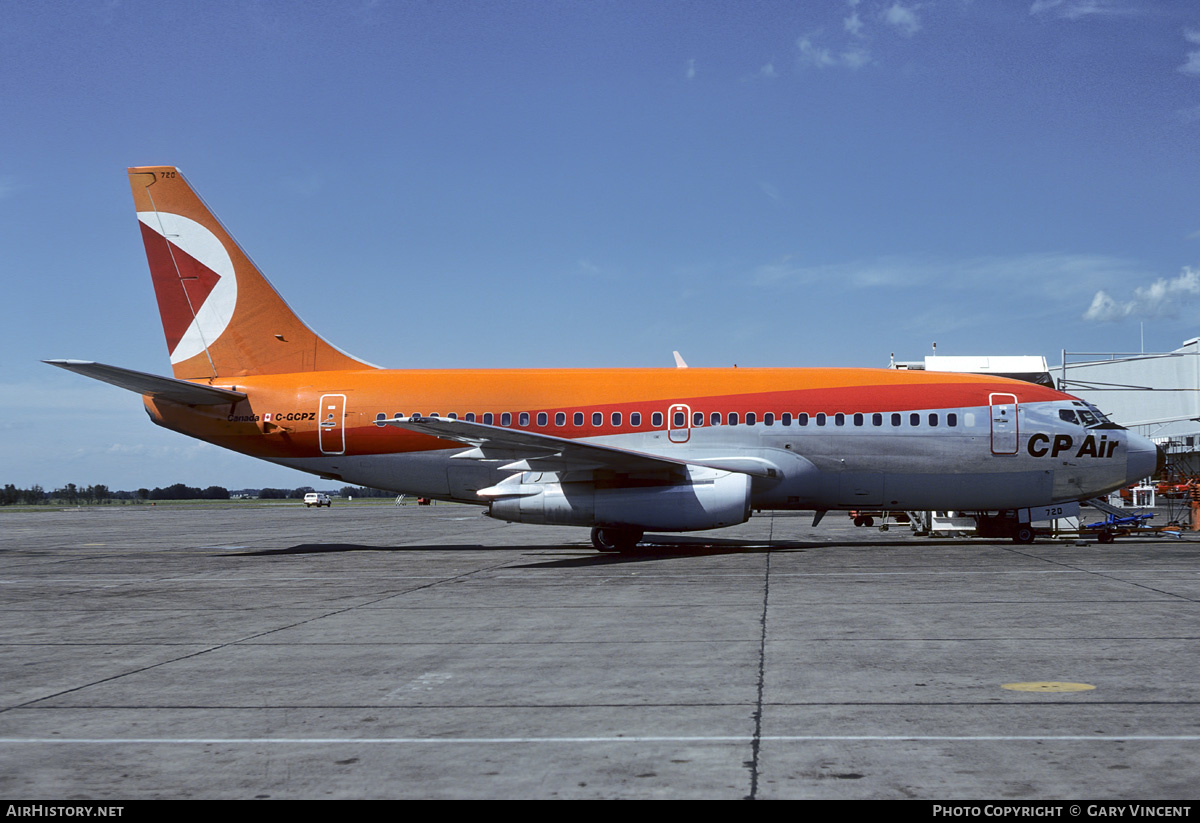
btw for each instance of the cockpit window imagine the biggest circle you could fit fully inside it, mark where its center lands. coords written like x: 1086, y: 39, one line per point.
x: 1085, y: 414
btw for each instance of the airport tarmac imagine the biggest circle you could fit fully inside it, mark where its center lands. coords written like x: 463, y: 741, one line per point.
x: 405, y: 652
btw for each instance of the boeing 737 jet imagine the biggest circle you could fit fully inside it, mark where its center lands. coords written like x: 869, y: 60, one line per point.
x: 622, y: 451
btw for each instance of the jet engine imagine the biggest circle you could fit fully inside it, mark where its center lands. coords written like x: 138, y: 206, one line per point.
x: 705, y: 499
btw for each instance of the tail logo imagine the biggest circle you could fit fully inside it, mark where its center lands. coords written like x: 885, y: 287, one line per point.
x: 194, y: 281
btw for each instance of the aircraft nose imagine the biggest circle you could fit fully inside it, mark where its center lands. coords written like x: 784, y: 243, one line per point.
x: 1145, y: 458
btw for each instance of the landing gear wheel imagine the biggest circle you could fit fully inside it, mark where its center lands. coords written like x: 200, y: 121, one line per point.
x: 1106, y: 537
x: 608, y: 539
x: 860, y: 521
x: 868, y: 521
x: 1023, y: 534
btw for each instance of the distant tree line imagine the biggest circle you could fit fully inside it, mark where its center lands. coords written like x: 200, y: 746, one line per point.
x: 285, y: 494
x: 74, y: 495
x: 362, y: 491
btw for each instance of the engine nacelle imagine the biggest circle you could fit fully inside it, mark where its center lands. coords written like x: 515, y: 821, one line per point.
x: 709, y: 499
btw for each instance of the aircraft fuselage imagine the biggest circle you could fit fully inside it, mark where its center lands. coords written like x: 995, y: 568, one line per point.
x: 827, y: 438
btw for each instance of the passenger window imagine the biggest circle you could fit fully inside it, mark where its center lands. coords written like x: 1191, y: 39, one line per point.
x: 858, y: 419
x: 487, y: 418
x: 802, y: 418
x: 821, y: 418
x: 877, y: 419
x: 751, y: 418
x: 952, y: 419
x: 914, y: 419
x: 452, y: 416
x: 656, y: 420
x: 896, y: 419
x: 506, y: 419
x: 733, y: 418
x: 933, y: 419
x: 615, y: 418
x: 714, y: 419
x: 435, y: 416
x: 769, y: 419
x: 839, y: 419
x: 678, y: 420
x: 470, y: 417
x: 523, y: 419
x: 697, y: 418
x: 785, y: 419
x: 597, y: 418
x: 542, y: 418
x: 560, y: 418
x: 379, y: 418
x: 577, y: 418
x: 635, y: 418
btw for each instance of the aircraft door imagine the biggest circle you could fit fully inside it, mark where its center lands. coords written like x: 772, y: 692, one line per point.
x: 331, y: 420
x: 1004, y: 423
x: 679, y: 423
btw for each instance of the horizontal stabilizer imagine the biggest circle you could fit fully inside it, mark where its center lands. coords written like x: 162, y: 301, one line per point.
x: 162, y: 388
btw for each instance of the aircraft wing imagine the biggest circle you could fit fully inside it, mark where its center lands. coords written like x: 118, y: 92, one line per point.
x: 530, y: 451
x: 164, y: 388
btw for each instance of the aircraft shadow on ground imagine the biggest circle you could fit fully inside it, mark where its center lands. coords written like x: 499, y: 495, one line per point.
x: 667, y: 547
x: 652, y: 548
x: 335, y: 548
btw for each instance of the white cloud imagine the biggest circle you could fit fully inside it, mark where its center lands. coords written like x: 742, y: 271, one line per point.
x: 1189, y: 115
x: 1059, y: 277
x: 690, y: 71
x: 770, y: 191
x: 768, y: 70
x: 1162, y: 298
x: 853, y: 24
x: 812, y: 55
x: 589, y: 268
x: 855, y: 57
x: 903, y: 18
x: 1078, y: 9
x: 852, y: 57
x: 1192, y: 65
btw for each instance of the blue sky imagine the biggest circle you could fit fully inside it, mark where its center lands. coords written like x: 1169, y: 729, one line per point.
x: 488, y: 184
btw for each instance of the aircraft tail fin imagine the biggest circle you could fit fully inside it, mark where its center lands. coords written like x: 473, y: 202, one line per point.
x: 220, y: 315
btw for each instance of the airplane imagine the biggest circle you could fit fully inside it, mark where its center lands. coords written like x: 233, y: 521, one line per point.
x: 621, y: 451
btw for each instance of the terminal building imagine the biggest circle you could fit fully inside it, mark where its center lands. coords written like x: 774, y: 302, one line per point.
x: 1155, y: 394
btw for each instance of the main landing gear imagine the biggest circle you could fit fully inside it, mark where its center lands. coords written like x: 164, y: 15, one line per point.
x: 610, y: 539
x: 1023, y: 533
x: 1002, y: 525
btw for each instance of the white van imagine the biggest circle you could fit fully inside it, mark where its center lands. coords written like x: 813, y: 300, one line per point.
x: 317, y: 499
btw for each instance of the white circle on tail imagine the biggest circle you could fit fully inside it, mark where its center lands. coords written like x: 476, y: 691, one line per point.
x: 212, y: 308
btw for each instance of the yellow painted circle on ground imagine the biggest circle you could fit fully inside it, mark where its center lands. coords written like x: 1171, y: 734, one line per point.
x: 1048, y: 686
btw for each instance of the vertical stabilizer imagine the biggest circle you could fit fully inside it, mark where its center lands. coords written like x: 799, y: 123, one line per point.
x: 220, y: 316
